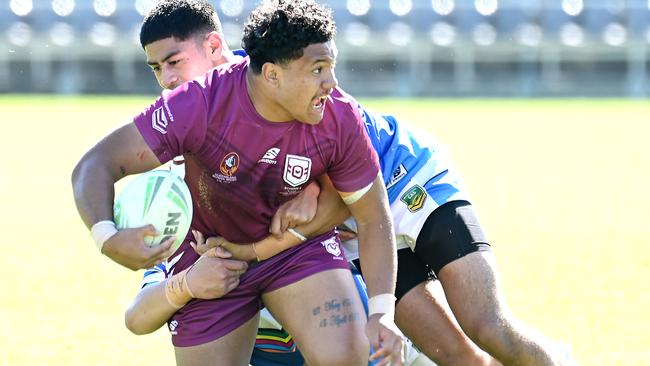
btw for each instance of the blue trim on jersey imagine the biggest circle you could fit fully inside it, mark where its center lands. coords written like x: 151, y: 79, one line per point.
x: 156, y: 274
x: 361, y: 286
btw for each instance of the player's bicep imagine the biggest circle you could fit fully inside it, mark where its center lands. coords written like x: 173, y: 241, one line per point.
x: 124, y: 152
x: 368, y: 202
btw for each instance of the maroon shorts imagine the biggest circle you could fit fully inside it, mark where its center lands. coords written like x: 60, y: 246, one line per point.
x: 202, y: 321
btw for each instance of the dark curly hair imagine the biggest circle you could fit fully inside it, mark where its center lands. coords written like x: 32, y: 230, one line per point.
x: 279, y: 30
x: 180, y: 19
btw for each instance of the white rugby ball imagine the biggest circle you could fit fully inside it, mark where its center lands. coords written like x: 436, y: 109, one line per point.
x: 157, y: 197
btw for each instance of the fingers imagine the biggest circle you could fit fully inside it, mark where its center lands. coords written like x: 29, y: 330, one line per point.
x: 276, y: 225
x: 216, y: 241
x: 222, y: 253
x: 395, y: 356
x: 387, y: 343
x: 235, y: 265
x: 218, y: 252
x: 398, y: 352
x: 200, y: 239
x: 149, y: 230
x: 158, y: 253
x: 196, y: 248
x: 232, y: 284
x: 390, y: 353
x: 285, y: 223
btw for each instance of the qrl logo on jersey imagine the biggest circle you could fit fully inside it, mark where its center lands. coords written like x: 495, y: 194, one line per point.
x: 296, y: 170
x: 229, y: 164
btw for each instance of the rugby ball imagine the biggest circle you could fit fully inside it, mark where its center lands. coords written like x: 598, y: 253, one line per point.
x: 157, y: 197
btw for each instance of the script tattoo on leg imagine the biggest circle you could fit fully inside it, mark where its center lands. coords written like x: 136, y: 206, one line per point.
x: 335, y: 313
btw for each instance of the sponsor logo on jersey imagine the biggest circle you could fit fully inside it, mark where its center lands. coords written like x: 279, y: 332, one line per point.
x: 229, y: 164
x: 269, y: 156
x: 398, y: 174
x: 159, y: 120
x: 296, y: 170
x: 414, y: 198
x: 332, y: 246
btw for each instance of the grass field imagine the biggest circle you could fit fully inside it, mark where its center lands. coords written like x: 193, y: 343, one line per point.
x: 562, y: 188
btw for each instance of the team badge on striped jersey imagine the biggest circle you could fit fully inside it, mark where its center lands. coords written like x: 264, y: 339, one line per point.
x: 414, y: 198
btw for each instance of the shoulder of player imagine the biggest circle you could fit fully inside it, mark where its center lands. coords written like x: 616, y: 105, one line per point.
x: 224, y: 75
x: 240, y: 65
x: 340, y: 97
x: 346, y: 109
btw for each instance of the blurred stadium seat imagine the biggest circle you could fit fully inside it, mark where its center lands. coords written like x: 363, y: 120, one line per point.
x: 387, y: 47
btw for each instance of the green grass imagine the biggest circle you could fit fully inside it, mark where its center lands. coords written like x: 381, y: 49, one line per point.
x: 560, y: 185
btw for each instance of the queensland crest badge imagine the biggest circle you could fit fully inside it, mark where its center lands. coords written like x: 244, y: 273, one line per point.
x: 296, y: 170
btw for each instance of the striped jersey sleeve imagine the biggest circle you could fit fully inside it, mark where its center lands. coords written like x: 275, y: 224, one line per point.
x: 154, y: 275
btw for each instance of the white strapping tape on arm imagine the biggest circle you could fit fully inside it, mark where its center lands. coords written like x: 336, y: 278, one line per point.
x: 102, y: 231
x: 354, y: 197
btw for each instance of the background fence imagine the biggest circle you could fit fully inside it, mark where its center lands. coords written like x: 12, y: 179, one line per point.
x: 387, y: 47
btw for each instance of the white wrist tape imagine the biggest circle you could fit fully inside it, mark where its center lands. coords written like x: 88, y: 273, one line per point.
x: 381, y: 304
x: 297, y: 234
x: 102, y: 231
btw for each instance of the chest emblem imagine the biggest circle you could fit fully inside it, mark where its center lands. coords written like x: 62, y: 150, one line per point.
x: 414, y: 198
x: 296, y: 170
x: 229, y: 164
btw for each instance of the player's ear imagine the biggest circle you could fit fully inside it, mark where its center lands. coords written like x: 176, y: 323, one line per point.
x: 271, y: 73
x: 215, y: 43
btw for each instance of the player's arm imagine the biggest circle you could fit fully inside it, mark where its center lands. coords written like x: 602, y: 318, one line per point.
x: 370, y: 209
x: 149, y: 310
x: 211, y: 277
x: 121, y: 153
x: 330, y: 211
x: 317, y: 209
x: 377, y: 247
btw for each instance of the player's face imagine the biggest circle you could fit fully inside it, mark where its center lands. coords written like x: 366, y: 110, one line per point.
x: 308, y: 81
x: 174, y: 62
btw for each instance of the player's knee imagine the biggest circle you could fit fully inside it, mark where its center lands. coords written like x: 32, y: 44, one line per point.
x: 493, y: 333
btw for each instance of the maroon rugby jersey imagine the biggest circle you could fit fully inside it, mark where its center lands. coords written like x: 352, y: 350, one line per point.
x: 241, y: 167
